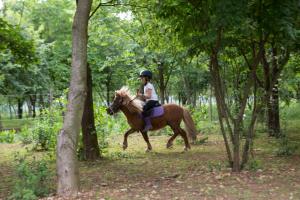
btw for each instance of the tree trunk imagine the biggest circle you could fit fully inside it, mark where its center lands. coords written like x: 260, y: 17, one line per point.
x: 67, y: 141
x: 29, y: 108
x: 91, y: 149
x: 236, y: 147
x: 108, y: 85
x: 1, y: 126
x: 33, y: 102
x: 276, y: 116
x: 20, y: 108
x: 42, y: 104
x: 210, y: 103
x: 161, y: 82
x: 10, y: 109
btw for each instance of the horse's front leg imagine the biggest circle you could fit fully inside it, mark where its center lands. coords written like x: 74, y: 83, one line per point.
x: 125, y: 144
x: 146, y: 138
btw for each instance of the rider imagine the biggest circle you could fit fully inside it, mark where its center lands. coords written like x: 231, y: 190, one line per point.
x: 149, y: 95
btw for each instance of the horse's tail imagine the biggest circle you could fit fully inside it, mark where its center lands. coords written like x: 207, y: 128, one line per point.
x: 189, y: 125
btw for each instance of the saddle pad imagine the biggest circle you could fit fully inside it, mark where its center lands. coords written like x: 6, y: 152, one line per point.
x: 157, y: 111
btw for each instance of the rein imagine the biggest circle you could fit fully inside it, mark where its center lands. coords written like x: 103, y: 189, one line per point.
x: 133, y: 99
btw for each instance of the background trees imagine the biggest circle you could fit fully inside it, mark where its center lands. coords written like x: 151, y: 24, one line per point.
x: 247, y: 52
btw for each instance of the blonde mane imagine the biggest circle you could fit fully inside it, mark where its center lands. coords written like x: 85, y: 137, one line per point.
x: 131, y: 102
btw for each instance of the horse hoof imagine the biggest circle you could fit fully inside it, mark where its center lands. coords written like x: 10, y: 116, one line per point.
x: 148, y: 150
x: 186, y: 148
x: 169, y: 145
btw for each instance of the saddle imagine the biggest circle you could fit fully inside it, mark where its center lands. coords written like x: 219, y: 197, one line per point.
x: 156, y: 111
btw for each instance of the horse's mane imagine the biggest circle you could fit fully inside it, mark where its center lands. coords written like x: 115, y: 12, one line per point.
x: 132, y: 103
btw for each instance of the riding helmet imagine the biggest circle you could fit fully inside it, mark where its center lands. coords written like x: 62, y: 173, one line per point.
x: 146, y: 73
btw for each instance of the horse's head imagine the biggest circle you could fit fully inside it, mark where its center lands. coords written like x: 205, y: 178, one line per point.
x: 121, y: 98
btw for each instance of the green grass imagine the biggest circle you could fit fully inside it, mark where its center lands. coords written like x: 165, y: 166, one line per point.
x: 291, y: 111
x: 201, y: 173
x: 17, y: 123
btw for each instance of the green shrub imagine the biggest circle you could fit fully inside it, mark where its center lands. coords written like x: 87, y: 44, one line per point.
x: 25, y: 136
x: 33, y: 178
x: 45, y: 132
x: 253, y: 165
x: 215, y: 166
x: 292, y: 111
x: 286, y: 148
x: 7, y: 136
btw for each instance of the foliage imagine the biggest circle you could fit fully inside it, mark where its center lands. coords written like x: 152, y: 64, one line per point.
x: 254, y: 165
x: 215, y: 166
x: 42, y: 134
x: 7, y: 136
x: 33, y: 178
x: 45, y: 131
x: 26, y: 136
x: 286, y: 147
x: 107, y: 125
x: 11, y: 38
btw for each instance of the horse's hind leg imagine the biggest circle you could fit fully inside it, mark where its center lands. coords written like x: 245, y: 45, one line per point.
x: 146, y: 138
x: 170, y: 141
x: 176, y: 132
x: 185, y: 138
x: 125, y: 144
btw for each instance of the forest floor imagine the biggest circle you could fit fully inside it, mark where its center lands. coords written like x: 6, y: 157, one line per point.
x: 201, y: 173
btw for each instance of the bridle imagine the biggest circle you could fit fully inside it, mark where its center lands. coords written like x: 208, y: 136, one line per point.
x: 121, y: 102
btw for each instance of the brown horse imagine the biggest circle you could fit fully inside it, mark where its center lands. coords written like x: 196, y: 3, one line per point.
x: 173, y: 115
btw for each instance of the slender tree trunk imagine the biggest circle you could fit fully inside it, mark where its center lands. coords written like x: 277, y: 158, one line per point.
x: 1, y: 126
x: 29, y: 108
x: 67, y: 141
x: 162, y: 88
x: 20, y: 108
x: 91, y: 149
x: 10, y: 109
x: 108, y: 85
x: 42, y: 104
x: 210, y: 103
x: 276, y: 116
x: 33, y: 102
x: 236, y: 146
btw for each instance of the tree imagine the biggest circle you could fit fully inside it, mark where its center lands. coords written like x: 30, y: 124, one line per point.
x: 67, y: 168
x: 91, y: 149
x: 225, y: 28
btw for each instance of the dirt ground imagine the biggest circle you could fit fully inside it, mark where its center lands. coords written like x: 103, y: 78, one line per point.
x: 201, y: 173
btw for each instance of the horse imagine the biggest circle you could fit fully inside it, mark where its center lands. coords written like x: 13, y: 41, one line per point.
x: 132, y: 108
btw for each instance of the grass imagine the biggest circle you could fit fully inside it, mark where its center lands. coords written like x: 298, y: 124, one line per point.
x: 201, y: 173
x: 16, y: 123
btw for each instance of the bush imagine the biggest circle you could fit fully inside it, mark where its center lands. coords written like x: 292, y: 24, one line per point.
x: 44, y: 133
x: 286, y: 148
x: 215, y: 166
x: 107, y: 125
x: 25, y: 136
x: 254, y: 165
x: 33, y: 178
x: 7, y: 136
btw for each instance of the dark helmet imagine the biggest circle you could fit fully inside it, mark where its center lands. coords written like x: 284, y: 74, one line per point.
x: 146, y: 73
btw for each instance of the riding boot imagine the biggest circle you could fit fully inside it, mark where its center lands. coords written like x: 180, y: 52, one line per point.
x: 148, y: 124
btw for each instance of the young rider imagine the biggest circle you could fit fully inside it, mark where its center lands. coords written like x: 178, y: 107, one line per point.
x: 149, y: 95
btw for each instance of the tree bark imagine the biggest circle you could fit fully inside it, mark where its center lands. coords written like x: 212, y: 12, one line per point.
x: 20, y: 108
x: 33, y: 102
x: 162, y: 88
x: 67, y: 141
x: 91, y: 149
x: 272, y: 71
